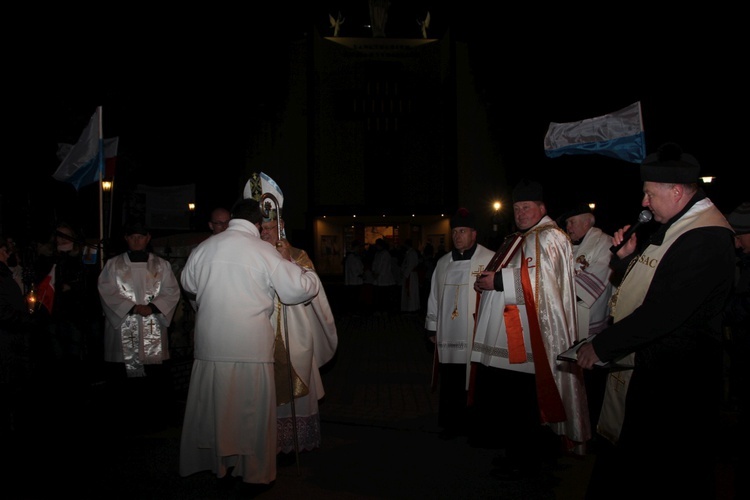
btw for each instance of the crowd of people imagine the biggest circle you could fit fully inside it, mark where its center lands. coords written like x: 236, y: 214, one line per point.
x: 658, y: 319
x: 69, y: 314
x: 385, y: 278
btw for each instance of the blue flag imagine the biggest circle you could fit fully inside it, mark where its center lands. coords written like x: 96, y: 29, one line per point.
x: 85, y: 160
x: 618, y: 135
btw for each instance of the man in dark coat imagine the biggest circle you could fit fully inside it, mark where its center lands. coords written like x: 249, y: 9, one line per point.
x: 662, y: 416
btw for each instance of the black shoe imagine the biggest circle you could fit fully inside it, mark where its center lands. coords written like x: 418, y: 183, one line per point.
x: 228, y: 481
x: 285, y: 459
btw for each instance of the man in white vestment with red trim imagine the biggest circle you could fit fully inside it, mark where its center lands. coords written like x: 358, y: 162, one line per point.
x: 531, y: 404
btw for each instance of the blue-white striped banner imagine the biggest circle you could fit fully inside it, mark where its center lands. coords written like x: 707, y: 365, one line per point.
x: 618, y: 135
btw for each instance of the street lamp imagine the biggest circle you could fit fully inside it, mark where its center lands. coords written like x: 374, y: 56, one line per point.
x: 496, y: 206
x: 191, y: 211
x: 107, y: 201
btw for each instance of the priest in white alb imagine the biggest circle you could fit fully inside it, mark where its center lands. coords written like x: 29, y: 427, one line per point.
x: 451, y: 311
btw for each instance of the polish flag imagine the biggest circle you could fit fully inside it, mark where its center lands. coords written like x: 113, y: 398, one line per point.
x: 46, y: 291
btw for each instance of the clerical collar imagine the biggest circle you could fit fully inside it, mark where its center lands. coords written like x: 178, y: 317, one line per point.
x: 657, y: 236
x: 466, y: 255
x: 138, y: 255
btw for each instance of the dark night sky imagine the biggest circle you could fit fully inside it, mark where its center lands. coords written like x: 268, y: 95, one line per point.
x: 181, y: 89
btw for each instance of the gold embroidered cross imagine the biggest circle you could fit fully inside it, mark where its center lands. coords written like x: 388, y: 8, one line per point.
x: 616, y: 378
x: 478, y: 272
x: 454, y: 314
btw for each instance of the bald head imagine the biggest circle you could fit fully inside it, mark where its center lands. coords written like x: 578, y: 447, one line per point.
x: 219, y: 220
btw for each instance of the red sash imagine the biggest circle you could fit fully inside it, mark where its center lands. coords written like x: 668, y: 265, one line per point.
x: 514, y: 332
x: 550, y: 404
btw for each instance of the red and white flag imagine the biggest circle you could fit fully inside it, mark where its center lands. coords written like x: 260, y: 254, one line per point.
x: 46, y: 291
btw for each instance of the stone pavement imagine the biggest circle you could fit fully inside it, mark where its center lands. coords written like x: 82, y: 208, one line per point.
x: 380, y: 440
x: 380, y: 436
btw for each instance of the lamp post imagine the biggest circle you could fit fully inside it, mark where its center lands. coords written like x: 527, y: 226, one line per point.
x: 191, y: 212
x: 496, y: 219
x: 496, y: 206
x: 107, y: 200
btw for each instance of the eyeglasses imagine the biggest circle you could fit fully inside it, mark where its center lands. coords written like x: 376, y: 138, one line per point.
x: 270, y: 228
x: 220, y: 222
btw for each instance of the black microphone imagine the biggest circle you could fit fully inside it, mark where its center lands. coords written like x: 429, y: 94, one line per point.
x: 643, y: 217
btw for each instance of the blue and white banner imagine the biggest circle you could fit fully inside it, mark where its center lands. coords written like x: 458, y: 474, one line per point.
x: 618, y: 135
x: 85, y: 160
x: 110, y: 154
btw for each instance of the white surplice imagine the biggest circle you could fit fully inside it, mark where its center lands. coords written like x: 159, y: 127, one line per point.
x: 451, y: 306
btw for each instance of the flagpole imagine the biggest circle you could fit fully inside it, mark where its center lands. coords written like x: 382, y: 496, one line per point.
x: 111, y: 208
x: 100, y: 246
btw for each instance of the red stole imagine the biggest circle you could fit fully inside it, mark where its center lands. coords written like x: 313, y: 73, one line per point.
x: 550, y: 403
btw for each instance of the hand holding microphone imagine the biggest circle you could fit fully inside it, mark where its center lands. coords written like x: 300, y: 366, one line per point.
x: 643, y: 217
